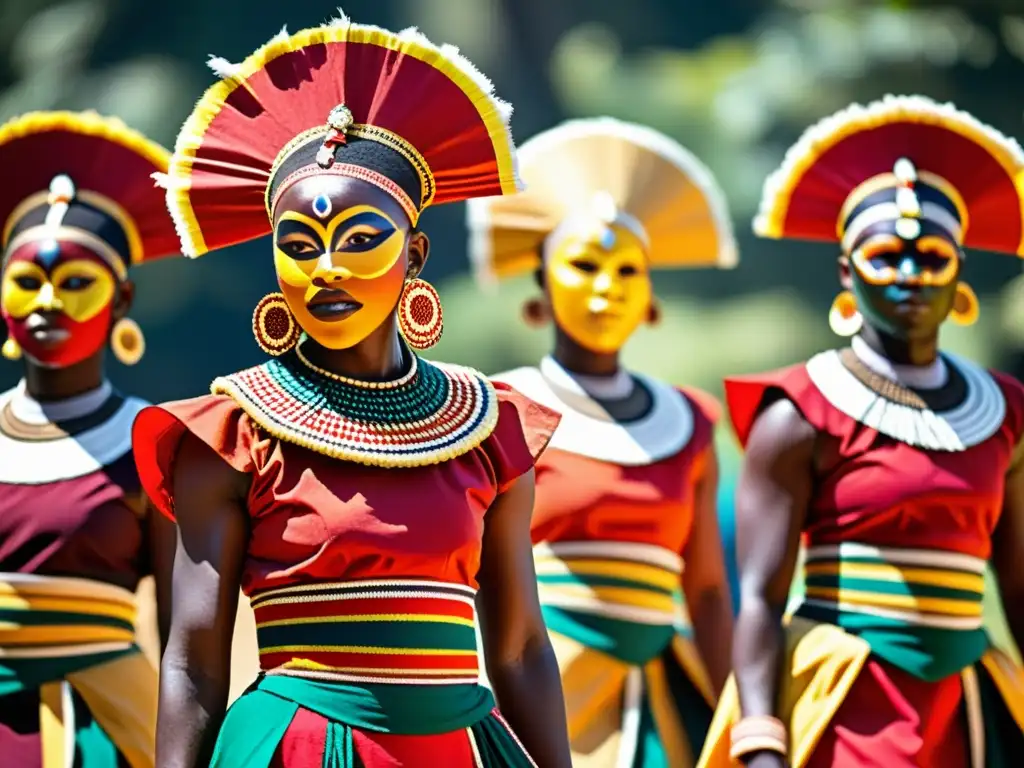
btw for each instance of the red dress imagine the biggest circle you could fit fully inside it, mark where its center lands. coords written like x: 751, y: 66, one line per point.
x: 614, y: 507
x: 358, y: 544
x: 73, y: 548
x: 897, y: 539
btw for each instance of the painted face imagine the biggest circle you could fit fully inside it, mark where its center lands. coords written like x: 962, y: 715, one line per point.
x: 57, y: 301
x: 599, y: 285
x: 905, y: 288
x: 340, y: 251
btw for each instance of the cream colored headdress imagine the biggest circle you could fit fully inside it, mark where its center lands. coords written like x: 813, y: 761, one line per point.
x: 631, y: 173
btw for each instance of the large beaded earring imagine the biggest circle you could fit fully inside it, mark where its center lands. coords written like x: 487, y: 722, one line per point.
x: 536, y: 313
x: 844, y: 319
x: 10, y: 349
x: 419, y: 314
x: 274, y: 326
x: 966, y: 306
x: 127, y: 342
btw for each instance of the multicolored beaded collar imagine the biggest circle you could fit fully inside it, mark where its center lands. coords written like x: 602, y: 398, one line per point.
x: 432, y: 414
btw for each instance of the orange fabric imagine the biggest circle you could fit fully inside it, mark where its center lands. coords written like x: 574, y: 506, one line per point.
x: 875, y: 490
x: 583, y: 499
x: 315, y: 518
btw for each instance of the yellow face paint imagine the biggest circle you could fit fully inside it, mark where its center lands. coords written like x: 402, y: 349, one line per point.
x: 79, y: 288
x: 599, y: 284
x: 341, y: 279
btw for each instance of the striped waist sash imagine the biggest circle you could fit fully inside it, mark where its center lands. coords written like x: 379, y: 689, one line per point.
x: 377, y: 631
x: 918, y: 587
x: 618, y: 597
x: 919, y: 609
x: 46, y: 617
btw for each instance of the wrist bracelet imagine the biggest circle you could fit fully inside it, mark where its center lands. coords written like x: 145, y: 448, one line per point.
x: 758, y: 733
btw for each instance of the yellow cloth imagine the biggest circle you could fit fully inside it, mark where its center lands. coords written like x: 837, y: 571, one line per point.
x: 824, y: 662
x: 595, y: 686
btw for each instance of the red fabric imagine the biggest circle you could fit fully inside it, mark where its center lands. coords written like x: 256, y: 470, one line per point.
x: 319, y: 519
x: 386, y: 750
x: 990, y: 194
x: 583, y: 499
x: 96, y: 164
x: 303, y: 744
x: 298, y: 90
x: 891, y: 719
x: 875, y: 490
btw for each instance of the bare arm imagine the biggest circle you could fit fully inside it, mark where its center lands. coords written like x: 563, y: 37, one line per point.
x: 704, y: 579
x: 1008, y: 552
x: 163, y: 537
x: 211, y: 540
x: 771, y: 500
x: 520, y: 663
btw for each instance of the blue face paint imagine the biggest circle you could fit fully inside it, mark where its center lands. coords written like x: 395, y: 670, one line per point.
x: 47, y: 254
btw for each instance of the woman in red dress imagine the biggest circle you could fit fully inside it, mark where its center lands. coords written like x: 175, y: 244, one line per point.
x: 78, y: 210
x: 626, y: 493
x: 363, y: 498
x: 898, y: 465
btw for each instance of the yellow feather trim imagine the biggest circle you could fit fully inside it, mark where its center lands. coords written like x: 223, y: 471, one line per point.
x: 494, y: 112
x: 819, y: 138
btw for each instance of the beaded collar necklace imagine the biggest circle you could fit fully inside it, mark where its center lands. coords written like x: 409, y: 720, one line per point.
x: 432, y: 413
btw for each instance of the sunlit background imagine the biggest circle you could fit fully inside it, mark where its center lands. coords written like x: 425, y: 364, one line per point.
x: 736, y: 81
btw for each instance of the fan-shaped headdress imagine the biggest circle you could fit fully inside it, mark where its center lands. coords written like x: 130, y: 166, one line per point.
x: 906, y: 165
x: 415, y: 119
x: 86, y: 178
x: 618, y: 171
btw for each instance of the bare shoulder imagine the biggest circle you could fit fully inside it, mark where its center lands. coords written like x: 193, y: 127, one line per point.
x: 780, y: 432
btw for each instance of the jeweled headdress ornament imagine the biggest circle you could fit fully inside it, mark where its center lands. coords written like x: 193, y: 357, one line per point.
x: 415, y: 119
x: 905, y: 165
x: 613, y: 171
x: 86, y: 178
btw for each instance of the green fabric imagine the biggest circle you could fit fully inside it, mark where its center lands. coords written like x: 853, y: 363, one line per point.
x: 273, y: 700
x: 93, y: 746
x: 627, y: 641
x: 497, y: 747
x: 1004, y: 740
x: 25, y: 674
x: 412, y: 635
x: 928, y: 653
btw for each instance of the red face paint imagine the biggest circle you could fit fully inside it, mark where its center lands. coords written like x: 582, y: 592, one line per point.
x: 57, y: 301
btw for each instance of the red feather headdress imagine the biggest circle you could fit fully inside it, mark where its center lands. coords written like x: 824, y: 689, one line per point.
x: 906, y: 160
x: 98, y: 172
x: 415, y: 119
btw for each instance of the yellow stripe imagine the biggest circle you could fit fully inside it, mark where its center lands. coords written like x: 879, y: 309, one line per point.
x: 366, y: 649
x: 17, y: 634
x: 637, y: 598
x: 936, y: 605
x: 51, y: 724
x: 971, y: 582
x: 90, y: 606
x: 381, y: 617
x: 638, y: 572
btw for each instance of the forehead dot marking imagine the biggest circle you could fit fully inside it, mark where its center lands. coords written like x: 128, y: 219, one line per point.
x: 322, y: 206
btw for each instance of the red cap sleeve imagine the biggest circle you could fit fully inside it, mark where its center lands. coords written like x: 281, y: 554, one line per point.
x: 709, y: 406
x: 1013, y: 391
x: 523, y: 431
x: 156, y: 434
x: 744, y: 395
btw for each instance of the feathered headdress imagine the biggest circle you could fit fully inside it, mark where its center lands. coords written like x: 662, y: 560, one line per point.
x: 82, y: 176
x: 415, y: 119
x: 624, y: 170
x: 906, y: 163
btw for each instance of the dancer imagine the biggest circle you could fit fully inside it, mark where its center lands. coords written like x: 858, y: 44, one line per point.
x: 358, y: 493
x: 900, y: 465
x: 627, y: 492
x: 78, y: 209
